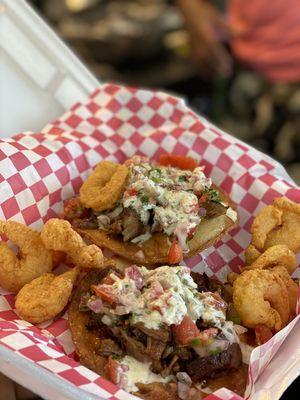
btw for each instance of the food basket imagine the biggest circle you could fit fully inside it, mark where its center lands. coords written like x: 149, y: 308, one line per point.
x: 39, y: 170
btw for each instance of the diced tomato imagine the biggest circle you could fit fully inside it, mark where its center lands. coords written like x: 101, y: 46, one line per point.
x: 113, y: 370
x: 105, y: 293
x: 107, y: 280
x: 203, y: 198
x: 191, y: 232
x: 181, y: 162
x: 262, y: 334
x: 156, y: 290
x: 175, y: 253
x: 134, y: 273
x: 74, y: 209
x: 186, y: 331
x: 208, y: 334
x: 156, y: 307
x: 132, y: 192
x: 117, y: 372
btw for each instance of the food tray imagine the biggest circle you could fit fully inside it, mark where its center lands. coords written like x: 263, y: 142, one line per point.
x: 41, y: 169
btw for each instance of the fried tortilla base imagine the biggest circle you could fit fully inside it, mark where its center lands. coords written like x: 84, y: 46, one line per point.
x: 155, y: 251
x: 87, y: 342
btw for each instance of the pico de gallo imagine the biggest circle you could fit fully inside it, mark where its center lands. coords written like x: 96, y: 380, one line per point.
x: 161, y: 323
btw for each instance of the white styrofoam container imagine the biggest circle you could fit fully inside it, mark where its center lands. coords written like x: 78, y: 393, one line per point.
x: 40, y: 77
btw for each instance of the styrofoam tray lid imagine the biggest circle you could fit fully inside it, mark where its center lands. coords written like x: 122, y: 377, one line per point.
x: 39, y: 76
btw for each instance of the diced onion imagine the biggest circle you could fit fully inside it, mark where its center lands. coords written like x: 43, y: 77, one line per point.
x: 183, y: 390
x: 140, y: 255
x: 115, y: 213
x: 239, y: 329
x: 142, y: 238
x: 95, y: 305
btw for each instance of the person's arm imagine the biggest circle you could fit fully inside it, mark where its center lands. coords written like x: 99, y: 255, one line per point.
x: 205, y: 23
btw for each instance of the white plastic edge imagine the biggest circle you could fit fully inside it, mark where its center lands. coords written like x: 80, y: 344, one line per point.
x: 41, y: 35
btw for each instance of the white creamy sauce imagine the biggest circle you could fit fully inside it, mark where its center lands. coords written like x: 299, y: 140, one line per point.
x: 139, y: 372
x: 170, y: 194
x: 231, y: 214
x: 169, y: 294
x: 246, y: 350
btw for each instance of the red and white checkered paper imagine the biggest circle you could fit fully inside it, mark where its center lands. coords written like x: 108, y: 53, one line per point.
x: 39, y: 170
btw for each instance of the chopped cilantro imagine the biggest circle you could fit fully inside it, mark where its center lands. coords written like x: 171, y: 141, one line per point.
x: 158, y: 170
x: 182, y: 178
x: 144, y: 199
x: 216, y: 351
x: 213, y: 195
x: 156, y: 180
x: 116, y: 357
x: 195, y: 342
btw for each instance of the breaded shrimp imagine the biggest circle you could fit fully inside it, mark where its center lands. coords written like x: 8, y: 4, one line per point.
x: 231, y: 277
x: 275, y: 224
x: 260, y: 297
x: 251, y: 254
x: 273, y: 256
x: 46, y: 296
x: 288, y: 232
x: 31, y: 261
x: 291, y: 286
x: 266, y: 220
x: 59, y: 235
x: 104, y: 186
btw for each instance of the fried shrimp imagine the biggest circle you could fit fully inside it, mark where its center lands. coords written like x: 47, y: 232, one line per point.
x: 251, y: 254
x: 46, y: 296
x: 275, y: 224
x: 31, y: 261
x: 231, y: 277
x: 266, y: 220
x: 58, y: 235
x: 273, y: 256
x: 260, y: 297
x: 291, y: 286
x: 288, y: 232
x: 104, y: 186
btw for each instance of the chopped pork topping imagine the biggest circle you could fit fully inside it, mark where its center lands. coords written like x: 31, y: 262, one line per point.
x: 160, y: 325
x: 159, y: 198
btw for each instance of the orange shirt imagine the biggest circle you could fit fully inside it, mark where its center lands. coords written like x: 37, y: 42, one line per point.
x: 270, y: 36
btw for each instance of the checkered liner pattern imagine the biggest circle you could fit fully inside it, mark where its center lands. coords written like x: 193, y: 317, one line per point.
x: 39, y: 170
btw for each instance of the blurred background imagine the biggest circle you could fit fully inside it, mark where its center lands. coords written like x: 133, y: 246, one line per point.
x: 236, y: 63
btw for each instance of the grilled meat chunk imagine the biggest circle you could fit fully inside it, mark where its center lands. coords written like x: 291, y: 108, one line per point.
x: 132, y: 226
x: 155, y: 348
x: 133, y: 347
x: 206, y: 367
x: 163, y: 333
x: 109, y: 347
